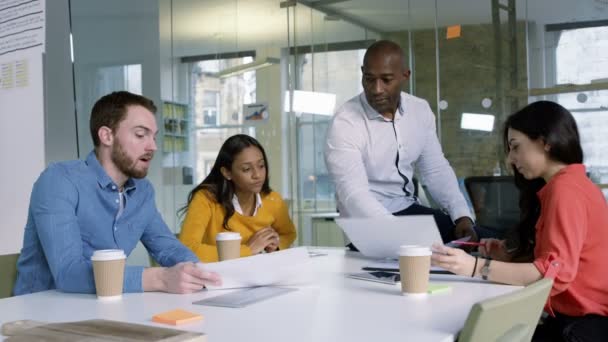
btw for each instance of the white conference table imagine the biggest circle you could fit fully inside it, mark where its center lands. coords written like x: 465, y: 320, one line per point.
x: 334, y: 308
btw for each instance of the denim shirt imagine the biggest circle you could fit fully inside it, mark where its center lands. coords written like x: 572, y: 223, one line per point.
x: 72, y: 213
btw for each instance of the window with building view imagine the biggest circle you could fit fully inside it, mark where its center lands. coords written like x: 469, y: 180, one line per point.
x: 217, y: 106
x: 582, y: 58
x: 333, y: 72
x: 211, y: 99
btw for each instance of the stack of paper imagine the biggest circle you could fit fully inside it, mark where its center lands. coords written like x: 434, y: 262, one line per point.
x: 291, y: 267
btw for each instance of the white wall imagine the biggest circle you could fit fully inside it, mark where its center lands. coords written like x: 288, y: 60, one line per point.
x: 21, y: 141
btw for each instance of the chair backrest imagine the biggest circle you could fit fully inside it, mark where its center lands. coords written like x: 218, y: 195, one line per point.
x: 8, y: 272
x: 510, y: 317
x: 495, y: 200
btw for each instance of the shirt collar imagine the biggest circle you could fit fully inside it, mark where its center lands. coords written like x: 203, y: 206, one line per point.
x: 571, y: 170
x: 237, y: 205
x: 103, y: 179
x: 373, y: 114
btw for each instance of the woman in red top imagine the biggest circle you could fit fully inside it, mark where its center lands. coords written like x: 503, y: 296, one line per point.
x: 563, y: 233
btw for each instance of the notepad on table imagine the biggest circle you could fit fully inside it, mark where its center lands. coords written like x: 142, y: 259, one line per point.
x: 245, y: 297
x: 176, y: 317
x: 438, y: 288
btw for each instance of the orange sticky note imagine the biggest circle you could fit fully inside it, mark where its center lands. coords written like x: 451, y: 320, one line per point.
x: 453, y: 32
x: 176, y: 317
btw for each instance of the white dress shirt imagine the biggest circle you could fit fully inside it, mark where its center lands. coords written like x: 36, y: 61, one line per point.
x: 237, y: 205
x: 371, y: 159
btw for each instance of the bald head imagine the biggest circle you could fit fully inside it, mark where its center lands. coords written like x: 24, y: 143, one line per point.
x: 384, y: 49
x: 384, y: 73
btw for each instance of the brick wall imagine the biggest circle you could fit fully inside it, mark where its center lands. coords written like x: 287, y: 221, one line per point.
x: 467, y: 67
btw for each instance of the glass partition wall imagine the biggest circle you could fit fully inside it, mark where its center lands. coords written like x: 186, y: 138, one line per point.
x: 325, y: 56
x: 277, y: 70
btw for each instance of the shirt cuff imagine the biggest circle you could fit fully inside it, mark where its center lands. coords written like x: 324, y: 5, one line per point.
x: 133, y: 279
x: 190, y: 257
x: 548, y: 266
x: 461, y: 212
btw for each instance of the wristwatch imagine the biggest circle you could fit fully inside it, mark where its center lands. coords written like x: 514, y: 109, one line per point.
x: 485, y: 269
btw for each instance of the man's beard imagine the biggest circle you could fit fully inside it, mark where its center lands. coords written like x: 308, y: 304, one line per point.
x: 126, y: 164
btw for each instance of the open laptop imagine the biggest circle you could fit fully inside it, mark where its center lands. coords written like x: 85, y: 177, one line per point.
x: 381, y: 237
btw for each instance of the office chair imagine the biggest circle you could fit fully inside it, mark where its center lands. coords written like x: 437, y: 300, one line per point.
x: 8, y: 270
x: 495, y: 200
x: 511, y: 317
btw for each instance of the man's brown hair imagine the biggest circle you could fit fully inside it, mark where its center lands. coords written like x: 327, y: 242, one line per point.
x: 111, y: 109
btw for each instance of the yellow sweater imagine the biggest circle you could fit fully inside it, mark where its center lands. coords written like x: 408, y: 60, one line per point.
x: 205, y: 217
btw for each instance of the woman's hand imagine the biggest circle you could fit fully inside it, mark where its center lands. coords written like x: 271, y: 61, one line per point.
x: 495, y: 249
x: 454, y: 260
x: 262, y: 239
x: 274, y: 245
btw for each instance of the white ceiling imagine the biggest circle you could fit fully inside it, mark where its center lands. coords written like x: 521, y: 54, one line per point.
x: 213, y: 26
x: 210, y: 26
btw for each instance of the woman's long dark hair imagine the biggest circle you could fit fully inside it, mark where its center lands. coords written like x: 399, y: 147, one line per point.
x: 217, y: 185
x: 556, y: 126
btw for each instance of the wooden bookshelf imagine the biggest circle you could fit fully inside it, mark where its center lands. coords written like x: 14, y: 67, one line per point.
x: 176, y: 120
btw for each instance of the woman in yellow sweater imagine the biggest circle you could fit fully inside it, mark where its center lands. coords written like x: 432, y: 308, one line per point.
x: 236, y: 197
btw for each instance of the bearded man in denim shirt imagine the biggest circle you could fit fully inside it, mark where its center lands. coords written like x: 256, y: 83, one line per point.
x: 104, y: 202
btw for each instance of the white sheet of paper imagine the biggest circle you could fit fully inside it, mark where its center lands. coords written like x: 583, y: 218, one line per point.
x: 381, y: 237
x: 290, y: 267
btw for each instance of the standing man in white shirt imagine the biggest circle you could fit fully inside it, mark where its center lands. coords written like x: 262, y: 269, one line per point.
x: 376, y: 140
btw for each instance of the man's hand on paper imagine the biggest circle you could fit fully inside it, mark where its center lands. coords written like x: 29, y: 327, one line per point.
x: 288, y: 267
x: 186, y: 277
x: 261, y: 239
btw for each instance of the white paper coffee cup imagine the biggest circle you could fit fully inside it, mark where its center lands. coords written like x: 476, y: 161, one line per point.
x: 109, y: 271
x: 228, y: 245
x: 414, y: 268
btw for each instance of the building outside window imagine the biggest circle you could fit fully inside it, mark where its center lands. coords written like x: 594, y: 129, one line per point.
x: 211, y: 109
x: 334, y: 72
x: 581, y: 58
x: 217, y: 104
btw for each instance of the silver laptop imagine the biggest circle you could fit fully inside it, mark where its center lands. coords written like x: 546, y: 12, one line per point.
x: 381, y: 237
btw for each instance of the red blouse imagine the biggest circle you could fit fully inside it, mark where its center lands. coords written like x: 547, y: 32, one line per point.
x: 572, y: 243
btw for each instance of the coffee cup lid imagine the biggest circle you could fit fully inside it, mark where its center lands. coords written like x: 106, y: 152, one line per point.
x: 108, y: 254
x: 227, y: 236
x: 414, y: 250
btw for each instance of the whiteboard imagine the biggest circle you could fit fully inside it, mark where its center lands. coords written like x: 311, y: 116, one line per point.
x: 21, y: 114
x: 21, y: 147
